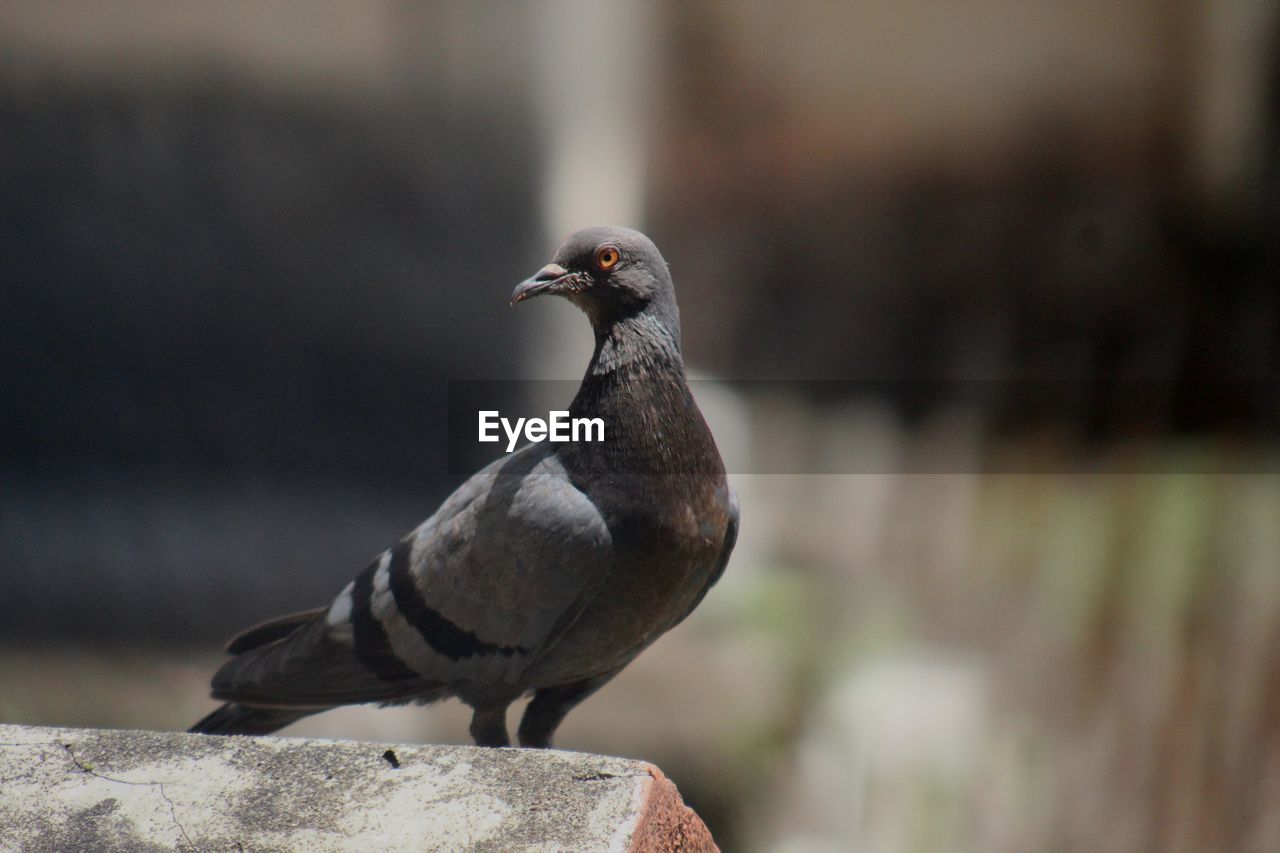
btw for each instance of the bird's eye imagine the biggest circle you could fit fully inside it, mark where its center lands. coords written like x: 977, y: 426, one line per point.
x: 607, y: 257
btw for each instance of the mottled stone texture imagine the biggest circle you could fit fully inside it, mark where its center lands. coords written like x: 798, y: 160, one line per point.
x: 89, y: 789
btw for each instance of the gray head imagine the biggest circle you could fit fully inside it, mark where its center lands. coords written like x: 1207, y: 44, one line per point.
x: 612, y: 274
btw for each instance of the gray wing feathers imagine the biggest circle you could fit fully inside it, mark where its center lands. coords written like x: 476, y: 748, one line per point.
x: 475, y: 594
x: 269, y: 631
x: 307, y: 669
x: 500, y: 568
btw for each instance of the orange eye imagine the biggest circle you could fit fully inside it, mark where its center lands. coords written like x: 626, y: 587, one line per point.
x: 607, y: 257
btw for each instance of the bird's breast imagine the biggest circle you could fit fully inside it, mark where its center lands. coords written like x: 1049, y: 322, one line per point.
x: 663, y: 562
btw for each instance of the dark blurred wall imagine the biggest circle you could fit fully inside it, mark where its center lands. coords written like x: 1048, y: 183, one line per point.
x: 1080, y: 193
x: 232, y: 307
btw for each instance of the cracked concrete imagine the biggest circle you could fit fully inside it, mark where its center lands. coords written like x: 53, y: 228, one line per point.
x: 89, y: 789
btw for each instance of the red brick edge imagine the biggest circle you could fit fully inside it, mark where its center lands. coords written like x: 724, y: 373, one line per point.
x: 666, y: 824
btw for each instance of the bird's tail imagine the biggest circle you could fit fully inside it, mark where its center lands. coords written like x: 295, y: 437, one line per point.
x: 236, y: 719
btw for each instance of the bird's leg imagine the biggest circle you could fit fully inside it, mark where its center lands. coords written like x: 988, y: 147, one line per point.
x: 489, y: 726
x: 551, y: 705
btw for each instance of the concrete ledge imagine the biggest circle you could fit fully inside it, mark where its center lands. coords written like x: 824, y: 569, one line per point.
x: 90, y: 789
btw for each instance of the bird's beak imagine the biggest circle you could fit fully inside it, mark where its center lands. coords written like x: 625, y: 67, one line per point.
x: 543, y: 281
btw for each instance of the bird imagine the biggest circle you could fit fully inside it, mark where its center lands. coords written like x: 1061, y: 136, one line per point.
x: 549, y: 570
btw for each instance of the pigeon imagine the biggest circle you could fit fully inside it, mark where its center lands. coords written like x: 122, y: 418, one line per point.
x: 546, y: 572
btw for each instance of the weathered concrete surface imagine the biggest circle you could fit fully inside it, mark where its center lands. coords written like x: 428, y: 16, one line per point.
x: 92, y: 789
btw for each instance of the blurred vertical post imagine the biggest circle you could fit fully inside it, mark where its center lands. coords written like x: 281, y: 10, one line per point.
x: 1232, y: 62
x: 592, y: 103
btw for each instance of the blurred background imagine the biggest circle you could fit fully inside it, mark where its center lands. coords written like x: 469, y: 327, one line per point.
x: 1009, y: 574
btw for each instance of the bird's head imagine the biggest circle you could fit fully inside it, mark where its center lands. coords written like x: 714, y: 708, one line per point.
x: 611, y: 273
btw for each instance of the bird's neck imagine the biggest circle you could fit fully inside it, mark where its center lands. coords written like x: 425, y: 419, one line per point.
x: 636, y: 384
x: 640, y: 341
x: 636, y: 363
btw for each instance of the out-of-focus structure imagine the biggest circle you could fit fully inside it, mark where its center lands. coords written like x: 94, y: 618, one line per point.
x: 1010, y: 568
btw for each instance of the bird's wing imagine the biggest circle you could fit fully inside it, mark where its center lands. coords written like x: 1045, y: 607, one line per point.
x: 269, y: 631
x: 307, y: 669
x: 473, y: 595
